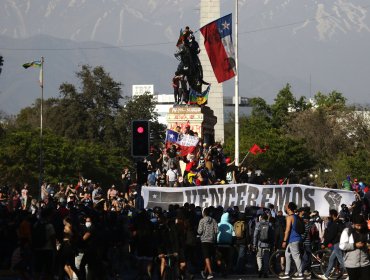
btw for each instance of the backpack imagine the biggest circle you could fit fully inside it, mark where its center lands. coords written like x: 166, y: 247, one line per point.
x: 299, y: 225
x: 239, y: 229
x: 39, y: 238
x: 265, y: 232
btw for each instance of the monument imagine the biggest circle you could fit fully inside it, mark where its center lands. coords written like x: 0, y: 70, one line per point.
x: 210, y: 11
x: 200, y: 119
x: 206, y: 115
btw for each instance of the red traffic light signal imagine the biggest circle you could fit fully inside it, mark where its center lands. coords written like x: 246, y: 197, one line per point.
x: 140, y: 130
x: 140, y: 139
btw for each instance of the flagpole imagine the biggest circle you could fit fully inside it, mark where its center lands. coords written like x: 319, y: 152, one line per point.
x: 236, y: 88
x: 244, y: 158
x: 41, y: 80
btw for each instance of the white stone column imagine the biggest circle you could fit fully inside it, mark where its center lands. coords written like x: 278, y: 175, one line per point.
x: 210, y: 11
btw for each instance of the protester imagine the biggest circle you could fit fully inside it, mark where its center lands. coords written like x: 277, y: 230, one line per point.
x: 172, y: 176
x: 354, y: 241
x: 292, y: 242
x: 225, y: 236
x: 207, y: 229
x: 331, y: 240
x: 263, y: 241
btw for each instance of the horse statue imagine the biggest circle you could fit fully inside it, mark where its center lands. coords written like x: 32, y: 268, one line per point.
x: 190, y: 65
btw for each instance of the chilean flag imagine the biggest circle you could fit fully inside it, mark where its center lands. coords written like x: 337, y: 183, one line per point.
x: 187, y: 144
x: 171, y: 138
x: 219, y: 46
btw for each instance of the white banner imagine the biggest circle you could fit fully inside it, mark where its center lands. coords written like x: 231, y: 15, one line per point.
x: 243, y: 195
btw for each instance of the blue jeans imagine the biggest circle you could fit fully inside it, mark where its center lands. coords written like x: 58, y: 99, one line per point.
x: 306, y: 259
x: 335, y: 254
x: 151, y: 178
x: 240, y: 263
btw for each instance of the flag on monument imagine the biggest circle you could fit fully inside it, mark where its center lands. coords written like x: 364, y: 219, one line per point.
x: 199, y: 98
x: 171, y: 136
x: 219, y: 46
x: 187, y: 144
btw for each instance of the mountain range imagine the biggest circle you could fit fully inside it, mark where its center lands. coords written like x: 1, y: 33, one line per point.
x: 313, y: 45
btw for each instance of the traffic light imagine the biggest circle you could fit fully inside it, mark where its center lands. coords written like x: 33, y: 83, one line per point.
x: 140, y: 138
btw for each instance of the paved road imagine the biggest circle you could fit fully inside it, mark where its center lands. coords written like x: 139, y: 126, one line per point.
x: 6, y: 275
x: 238, y: 277
x: 231, y: 277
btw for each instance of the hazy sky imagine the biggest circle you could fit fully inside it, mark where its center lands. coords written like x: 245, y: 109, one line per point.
x: 313, y: 45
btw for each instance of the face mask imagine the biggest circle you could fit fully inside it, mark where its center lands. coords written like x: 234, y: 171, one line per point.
x: 88, y: 224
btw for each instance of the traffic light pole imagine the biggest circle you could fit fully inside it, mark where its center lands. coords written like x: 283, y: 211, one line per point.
x: 140, y: 138
x: 140, y: 145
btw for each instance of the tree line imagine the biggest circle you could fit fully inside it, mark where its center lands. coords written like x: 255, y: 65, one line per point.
x: 87, y: 134
x: 322, y: 140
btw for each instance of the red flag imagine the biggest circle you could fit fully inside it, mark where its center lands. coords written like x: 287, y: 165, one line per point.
x: 255, y: 149
x: 219, y: 46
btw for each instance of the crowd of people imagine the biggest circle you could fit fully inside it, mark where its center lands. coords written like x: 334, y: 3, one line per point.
x: 81, y: 232
x: 86, y: 231
x: 205, y: 164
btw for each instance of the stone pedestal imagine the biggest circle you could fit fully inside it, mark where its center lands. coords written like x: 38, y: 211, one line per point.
x: 201, y: 120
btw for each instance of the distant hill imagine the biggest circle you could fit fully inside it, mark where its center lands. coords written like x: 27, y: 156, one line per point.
x: 313, y: 45
x: 63, y: 58
x: 19, y: 87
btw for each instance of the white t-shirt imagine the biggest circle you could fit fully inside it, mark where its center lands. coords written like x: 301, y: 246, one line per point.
x: 172, y: 175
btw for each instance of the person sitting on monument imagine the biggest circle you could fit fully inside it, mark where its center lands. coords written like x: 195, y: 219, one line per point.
x: 190, y: 162
x: 202, y: 178
x: 172, y: 155
x: 193, y: 47
x: 183, y: 90
x: 188, y: 130
x: 176, y: 86
x: 178, y: 130
x: 186, y: 34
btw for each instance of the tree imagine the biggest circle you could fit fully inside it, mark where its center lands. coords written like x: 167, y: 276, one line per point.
x: 260, y: 108
x: 321, y: 133
x: 334, y: 100
x: 87, y: 132
x: 90, y: 114
x: 3, y: 123
x: 284, y: 152
x: 64, y: 160
x: 95, y: 113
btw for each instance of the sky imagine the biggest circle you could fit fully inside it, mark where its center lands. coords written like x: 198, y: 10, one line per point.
x: 313, y: 45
